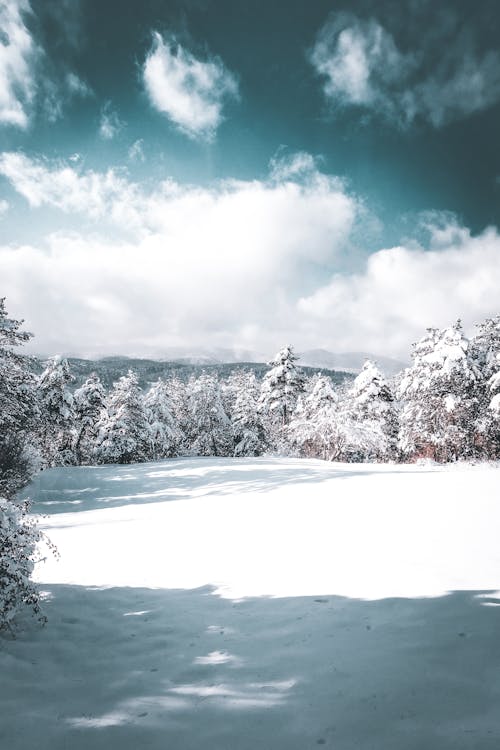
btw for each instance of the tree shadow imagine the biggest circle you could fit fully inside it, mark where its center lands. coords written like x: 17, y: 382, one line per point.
x: 184, y: 669
x: 81, y: 488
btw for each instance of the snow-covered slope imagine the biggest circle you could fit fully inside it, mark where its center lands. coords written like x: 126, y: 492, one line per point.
x: 270, y: 603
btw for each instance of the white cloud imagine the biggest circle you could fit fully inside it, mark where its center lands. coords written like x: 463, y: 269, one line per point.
x: 92, y: 194
x: 256, y: 267
x: 29, y: 78
x: 404, y: 290
x: 442, y: 80
x: 188, y: 91
x: 136, y: 151
x: 228, y: 276
x: 4, y: 207
x: 109, y: 124
x: 18, y: 54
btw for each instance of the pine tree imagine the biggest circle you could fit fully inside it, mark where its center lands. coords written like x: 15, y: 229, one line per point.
x: 57, y: 413
x: 280, y: 390
x: 165, y: 436
x: 209, y: 430
x: 371, y: 404
x: 438, y: 397
x: 485, y: 347
x: 19, y: 416
x: 313, y: 430
x: 19, y: 534
x: 247, y: 426
x: 124, y: 434
x: 89, y: 405
x: 178, y: 397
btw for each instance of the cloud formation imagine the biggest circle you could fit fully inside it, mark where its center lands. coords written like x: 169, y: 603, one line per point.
x: 190, y: 92
x: 442, y: 80
x: 403, y: 290
x: 18, y: 55
x: 257, y: 268
x: 29, y: 78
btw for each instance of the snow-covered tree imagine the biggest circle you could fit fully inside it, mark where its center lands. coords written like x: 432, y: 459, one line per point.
x: 178, y: 396
x: 247, y: 426
x: 57, y: 413
x: 124, y: 433
x: 19, y: 534
x: 438, y: 397
x: 279, y: 393
x: 486, y: 351
x: 89, y: 405
x: 313, y: 430
x: 323, y: 425
x: 371, y: 404
x: 18, y: 408
x: 165, y: 436
x: 209, y: 429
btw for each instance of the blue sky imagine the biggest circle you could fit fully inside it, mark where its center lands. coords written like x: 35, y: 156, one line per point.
x: 229, y: 174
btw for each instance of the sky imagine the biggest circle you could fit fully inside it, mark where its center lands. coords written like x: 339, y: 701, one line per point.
x: 205, y: 174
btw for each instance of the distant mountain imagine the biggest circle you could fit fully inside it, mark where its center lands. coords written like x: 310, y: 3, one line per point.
x: 110, y: 369
x: 349, y: 361
x: 183, y: 364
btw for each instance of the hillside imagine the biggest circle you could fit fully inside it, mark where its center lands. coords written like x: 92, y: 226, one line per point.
x: 110, y: 369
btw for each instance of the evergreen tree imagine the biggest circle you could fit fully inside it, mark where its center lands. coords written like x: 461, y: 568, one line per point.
x: 89, y: 405
x: 313, y: 430
x: 165, y: 436
x: 247, y: 426
x: 19, y: 416
x: 19, y: 534
x: 124, y: 434
x: 486, y: 351
x: 57, y: 413
x: 178, y: 398
x: 438, y: 397
x: 371, y: 404
x: 280, y: 390
x: 209, y: 430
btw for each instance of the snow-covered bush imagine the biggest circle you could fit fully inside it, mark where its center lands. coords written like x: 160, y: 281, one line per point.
x: 19, y: 536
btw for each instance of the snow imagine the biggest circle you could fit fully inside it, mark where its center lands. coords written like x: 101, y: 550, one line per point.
x: 274, y: 603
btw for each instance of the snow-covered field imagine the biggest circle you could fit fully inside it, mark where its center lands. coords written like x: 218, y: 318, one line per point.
x: 262, y: 603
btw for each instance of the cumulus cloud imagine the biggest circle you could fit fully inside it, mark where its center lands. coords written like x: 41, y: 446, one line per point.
x: 189, y: 91
x: 403, y: 290
x: 258, y: 266
x: 445, y: 79
x: 229, y: 276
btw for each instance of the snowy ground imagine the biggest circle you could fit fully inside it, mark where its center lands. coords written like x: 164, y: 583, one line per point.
x: 244, y: 604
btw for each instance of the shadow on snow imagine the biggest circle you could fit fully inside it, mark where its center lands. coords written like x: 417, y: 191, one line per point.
x: 73, y: 489
x: 142, y: 668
